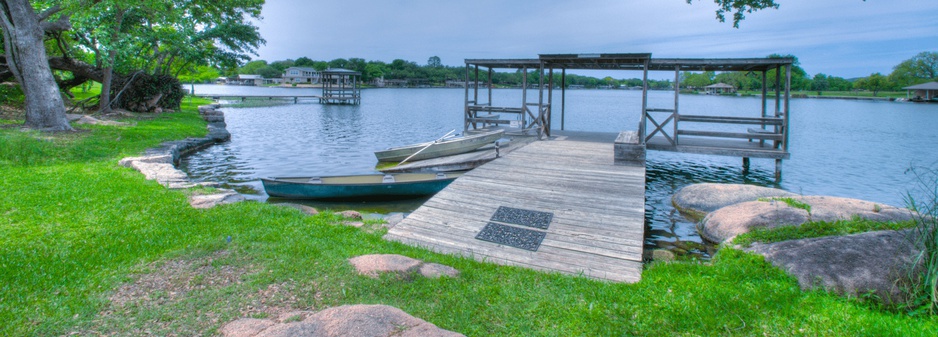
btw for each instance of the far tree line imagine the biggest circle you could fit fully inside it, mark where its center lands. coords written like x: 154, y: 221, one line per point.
x: 918, y: 69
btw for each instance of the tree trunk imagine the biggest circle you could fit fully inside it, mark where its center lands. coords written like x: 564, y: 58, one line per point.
x: 106, y: 87
x: 109, y: 70
x: 26, y: 58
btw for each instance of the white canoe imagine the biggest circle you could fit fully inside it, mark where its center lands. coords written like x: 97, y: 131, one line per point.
x: 446, y: 147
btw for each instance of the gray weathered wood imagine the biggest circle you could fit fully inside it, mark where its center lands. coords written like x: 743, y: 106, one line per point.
x: 741, y: 135
x: 730, y: 120
x: 598, y: 223
x: 719, y: 147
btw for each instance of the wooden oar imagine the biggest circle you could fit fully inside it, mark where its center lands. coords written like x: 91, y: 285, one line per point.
x: 428, y: 145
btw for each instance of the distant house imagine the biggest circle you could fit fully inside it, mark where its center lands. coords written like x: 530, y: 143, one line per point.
x: 221, y: 80
x: 719, y: 88
x: 455, y: 84
x: 301, y: 75
x: 925, y: 91
x: 380, y: 82
x: 247, y: 79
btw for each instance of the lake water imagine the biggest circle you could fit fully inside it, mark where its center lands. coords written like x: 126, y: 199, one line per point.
x: 846, y: 148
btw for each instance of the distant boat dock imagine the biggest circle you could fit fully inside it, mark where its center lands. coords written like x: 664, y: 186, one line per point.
x: 575, y: 202
x: 244, y: 98
x: 339, y: 86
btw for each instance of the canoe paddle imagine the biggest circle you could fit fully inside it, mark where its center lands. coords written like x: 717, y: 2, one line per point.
x: 428, y: 145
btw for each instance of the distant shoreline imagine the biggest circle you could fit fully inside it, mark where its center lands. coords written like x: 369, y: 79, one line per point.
x: 892, y: 98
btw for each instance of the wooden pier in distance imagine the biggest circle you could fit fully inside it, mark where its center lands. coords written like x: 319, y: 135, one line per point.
x: 243, y: 98
x: 596, y: 208
x: 340, y: 86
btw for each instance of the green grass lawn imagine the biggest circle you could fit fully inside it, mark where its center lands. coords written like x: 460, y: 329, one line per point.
x: 76, y: 230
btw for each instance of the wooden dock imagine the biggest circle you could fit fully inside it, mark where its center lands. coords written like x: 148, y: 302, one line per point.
x: 596, y: 227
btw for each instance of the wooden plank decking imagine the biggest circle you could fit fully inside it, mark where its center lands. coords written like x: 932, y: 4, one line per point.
x: 598, y: 210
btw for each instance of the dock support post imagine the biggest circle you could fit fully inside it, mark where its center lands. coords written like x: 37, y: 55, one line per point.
x: 466, y: 114
x: 745, y: 165
x: 778, y: 170
x: 563, y: 95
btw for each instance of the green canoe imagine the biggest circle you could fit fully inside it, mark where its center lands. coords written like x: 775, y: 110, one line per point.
x: 368, y: 186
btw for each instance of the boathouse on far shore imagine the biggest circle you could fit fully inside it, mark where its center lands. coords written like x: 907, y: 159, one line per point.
x: 720, y: 88
x: 925, y: 91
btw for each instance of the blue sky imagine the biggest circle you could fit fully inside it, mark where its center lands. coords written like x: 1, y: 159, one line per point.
x: 846, y: 38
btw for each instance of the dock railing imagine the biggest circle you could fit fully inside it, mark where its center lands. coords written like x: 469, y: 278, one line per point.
x: 769, y: 128
x: 479, y: 113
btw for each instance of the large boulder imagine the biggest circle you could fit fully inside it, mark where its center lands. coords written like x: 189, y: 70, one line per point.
x: 308, y: 210
x: 878, y: 263
x: 221, y: 197
x: 728, y: 222
x: 348, y: 320
x: 697, y: 200
x: 835, y: 208
x: 165, y: 174
x: 376, y: 264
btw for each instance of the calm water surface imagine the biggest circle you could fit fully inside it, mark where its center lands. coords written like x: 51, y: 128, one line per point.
x: 844, y: 148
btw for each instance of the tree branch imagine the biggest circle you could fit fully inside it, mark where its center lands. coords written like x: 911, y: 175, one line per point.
x: 77, y: 68
x: 49, y: 12
x: 62, y: 24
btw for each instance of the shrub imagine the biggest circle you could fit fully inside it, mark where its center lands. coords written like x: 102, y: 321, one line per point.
x: 11, y: 94
x: 144, y: 88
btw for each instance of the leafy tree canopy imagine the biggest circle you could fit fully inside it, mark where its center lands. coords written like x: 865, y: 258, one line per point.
x: 919, y: 69
x: 739, y: 8
x: 434, y: 62
x: 252, y: 67
x: 876, y: 82
x: 820, y: 83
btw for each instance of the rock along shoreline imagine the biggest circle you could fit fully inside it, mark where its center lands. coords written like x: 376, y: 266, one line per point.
x: 160, y: 163
x: 878, y: 264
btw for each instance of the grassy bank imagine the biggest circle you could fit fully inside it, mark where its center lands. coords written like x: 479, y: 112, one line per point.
x: 834, y: 94
x: 90, y: 247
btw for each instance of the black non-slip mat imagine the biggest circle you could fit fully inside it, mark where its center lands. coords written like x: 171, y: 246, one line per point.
x: 523, y: 217
x: 512, y: 236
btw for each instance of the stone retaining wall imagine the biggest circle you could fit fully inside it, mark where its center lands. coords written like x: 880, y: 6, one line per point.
x: 159, y: 163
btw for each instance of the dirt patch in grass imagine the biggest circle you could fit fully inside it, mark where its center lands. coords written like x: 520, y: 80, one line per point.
x: 174, y: 279
x: 279, y: 300
x: 12, y: 113
x: 194, y: 296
